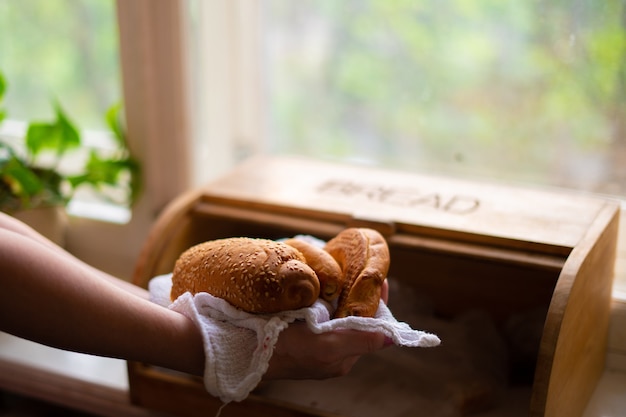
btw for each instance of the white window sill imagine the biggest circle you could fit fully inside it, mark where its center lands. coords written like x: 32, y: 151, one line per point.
x: 108, y: 213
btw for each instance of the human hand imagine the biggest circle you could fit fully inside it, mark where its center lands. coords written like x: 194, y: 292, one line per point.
x: 301, y: 354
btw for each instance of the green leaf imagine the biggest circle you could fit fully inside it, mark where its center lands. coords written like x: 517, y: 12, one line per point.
x: 135, y: 180
x: 113, y: 118
x: 20, y: 179
x: 69, y: 133
x: 23, y: 186
x: 53, y: 192
x: 100, y: 171
x: 18, y: 184
x: 121, y: 174
x: 41, y: 136
x: 3, y: 89
x: 58, y: 136
x: 3, y: 86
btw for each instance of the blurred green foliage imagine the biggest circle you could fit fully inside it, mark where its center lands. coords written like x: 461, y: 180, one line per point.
x: 32, y: 173
x: 523, y: 90
x: 64, y: 52
x: 63, y: 48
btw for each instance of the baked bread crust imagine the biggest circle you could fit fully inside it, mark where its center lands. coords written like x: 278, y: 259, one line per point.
x: 266, y: 276
x: 255, y: 275
x: 325, y: 266
x: 363, y: 256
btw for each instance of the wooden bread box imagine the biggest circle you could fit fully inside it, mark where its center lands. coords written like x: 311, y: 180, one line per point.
x: 512, y: 256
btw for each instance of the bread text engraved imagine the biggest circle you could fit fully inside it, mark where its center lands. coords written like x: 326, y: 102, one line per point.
x: 400, y: 196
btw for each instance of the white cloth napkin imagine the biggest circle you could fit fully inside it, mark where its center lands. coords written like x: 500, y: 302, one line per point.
x: 240, y: 344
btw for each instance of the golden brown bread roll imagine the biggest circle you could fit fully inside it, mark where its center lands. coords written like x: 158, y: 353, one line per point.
x: 255, y: 275
x: 325, y: 266
x: 363, y: 256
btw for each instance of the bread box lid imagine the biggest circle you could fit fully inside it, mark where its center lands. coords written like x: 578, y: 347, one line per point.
x: 543, y: 220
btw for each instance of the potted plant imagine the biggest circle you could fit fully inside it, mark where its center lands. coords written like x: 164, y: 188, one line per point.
x: 41, y: 172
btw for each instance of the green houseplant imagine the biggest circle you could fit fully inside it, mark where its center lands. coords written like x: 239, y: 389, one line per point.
x: 49, y: 164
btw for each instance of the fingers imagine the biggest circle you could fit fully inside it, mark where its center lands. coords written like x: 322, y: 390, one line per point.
x: 353, y: 342
x: 302, y: 354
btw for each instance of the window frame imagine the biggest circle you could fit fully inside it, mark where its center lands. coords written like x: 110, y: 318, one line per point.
x: 154, y: 84
x: 153, y: 60
x: 179, y: 147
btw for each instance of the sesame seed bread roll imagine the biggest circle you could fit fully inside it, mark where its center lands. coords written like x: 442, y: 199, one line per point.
x: 325, y: 266
x: 254, y: 275
x: 363, y: 256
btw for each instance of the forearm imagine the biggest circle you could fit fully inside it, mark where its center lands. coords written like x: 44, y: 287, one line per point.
x: 48, y: 298
x: 10, y: 224
x: 51, y: 297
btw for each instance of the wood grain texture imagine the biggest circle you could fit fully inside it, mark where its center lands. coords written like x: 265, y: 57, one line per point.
x: 446, y: 208
x: 573, y: 347
x: 69, y: 392
x: 185, y: 396
x: 167, y: 239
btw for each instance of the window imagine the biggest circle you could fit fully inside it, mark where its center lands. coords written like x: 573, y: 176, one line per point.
x: 63, y: 53
x: 226, y: 78
x: 65, y: 50
x: 519, y: 91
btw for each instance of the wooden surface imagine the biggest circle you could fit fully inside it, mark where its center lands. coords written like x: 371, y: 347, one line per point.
x: 572, y: 352
x: 436, y: 206
x: 185, y: 396
x: 466, y: 245
x: 82, y: 382
x: 168, y: 238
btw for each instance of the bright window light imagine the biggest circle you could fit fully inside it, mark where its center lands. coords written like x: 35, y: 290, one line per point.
x: 512, y: 90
